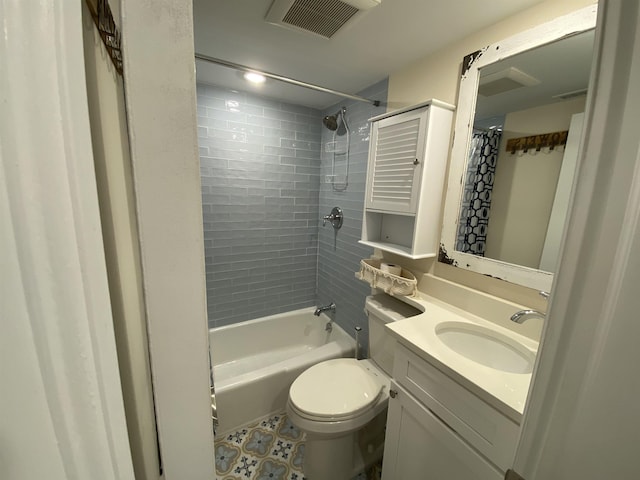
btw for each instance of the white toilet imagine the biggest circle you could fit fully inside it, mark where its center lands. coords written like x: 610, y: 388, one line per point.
x: 341, y: 404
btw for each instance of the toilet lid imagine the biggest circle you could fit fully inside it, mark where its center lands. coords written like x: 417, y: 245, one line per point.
x: 335, y: 389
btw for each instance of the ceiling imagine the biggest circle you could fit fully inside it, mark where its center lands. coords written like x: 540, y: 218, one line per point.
x: 385, y: 39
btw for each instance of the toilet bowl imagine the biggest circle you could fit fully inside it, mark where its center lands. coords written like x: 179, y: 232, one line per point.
x: 362, y: 392
x: 341, y: 404
x: 332, y: 402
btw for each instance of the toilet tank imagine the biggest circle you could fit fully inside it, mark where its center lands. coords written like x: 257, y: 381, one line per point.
x: 382, y: 309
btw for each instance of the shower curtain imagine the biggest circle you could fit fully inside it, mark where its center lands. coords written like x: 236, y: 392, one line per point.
x: 476, y: 197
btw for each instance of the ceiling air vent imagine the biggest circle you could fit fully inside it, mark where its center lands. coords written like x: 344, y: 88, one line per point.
x: 320, y: 17
x: 508, y: 79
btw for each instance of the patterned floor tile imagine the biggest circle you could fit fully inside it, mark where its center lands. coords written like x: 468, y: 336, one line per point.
x: 270, y: 449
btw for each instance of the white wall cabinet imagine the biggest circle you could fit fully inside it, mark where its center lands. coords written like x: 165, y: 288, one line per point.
x: 408, y: 152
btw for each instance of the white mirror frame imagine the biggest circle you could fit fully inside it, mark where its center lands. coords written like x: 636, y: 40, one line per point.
x: 561, y: 27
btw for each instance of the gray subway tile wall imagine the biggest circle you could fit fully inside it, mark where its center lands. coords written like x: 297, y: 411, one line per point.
x: 339, y: 252
x: 260, y: 172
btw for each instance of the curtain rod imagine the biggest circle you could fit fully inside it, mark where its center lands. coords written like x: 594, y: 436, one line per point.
x: 291, y: 81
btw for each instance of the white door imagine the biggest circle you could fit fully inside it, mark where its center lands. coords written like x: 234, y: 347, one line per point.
x: 560, y: 209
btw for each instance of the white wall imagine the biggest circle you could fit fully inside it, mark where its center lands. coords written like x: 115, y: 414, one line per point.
x: 112, y: 162
x: 159, y: 73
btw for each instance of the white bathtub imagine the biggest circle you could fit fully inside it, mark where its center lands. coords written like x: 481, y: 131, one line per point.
x: 255, y: 362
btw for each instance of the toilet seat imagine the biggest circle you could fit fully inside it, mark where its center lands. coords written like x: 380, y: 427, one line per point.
x: 337, y: 389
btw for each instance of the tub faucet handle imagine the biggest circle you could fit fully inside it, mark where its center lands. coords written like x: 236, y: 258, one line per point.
x: 335, y: 218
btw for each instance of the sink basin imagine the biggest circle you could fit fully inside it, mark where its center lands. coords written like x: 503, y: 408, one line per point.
x: 486, y: 347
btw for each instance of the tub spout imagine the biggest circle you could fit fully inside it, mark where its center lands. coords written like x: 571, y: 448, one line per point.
x: 319, y: 310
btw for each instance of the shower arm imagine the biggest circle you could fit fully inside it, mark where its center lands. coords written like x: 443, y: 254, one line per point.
x: 342, y: 111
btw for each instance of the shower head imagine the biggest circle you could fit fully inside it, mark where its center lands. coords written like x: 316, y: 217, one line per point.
x: 331, y: 121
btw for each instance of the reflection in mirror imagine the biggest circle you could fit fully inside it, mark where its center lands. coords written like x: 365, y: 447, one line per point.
x: 518, y: 151
x: 514, y: 156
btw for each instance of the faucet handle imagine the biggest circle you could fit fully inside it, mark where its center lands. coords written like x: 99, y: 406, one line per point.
x: 335, y: 218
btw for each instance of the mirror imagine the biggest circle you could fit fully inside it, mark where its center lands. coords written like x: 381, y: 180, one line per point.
x: 517, y: 132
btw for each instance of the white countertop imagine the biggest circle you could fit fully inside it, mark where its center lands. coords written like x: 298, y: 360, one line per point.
x: 507, y: 392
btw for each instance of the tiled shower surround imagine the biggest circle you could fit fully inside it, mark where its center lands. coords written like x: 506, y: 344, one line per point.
x: 260, y: 176
x: 263, y: 196
x: 340, y: 253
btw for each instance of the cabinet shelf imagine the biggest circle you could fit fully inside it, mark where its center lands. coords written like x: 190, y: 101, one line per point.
x: 401, y: 250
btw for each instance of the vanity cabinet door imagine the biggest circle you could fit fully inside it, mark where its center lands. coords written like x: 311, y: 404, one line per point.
x: 419, y: 445
x: 488, y: 431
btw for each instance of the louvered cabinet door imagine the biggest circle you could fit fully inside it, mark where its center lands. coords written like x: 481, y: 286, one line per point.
x: 395, y: 162
x: 405, y: 176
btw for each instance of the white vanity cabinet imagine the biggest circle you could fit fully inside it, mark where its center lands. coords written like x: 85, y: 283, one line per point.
x: 438, y: 429
x: 419, y: 445
x: 408, y: 152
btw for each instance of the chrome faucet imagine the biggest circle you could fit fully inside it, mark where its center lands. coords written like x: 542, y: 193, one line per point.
x: 522, y: 315
x: 319, y: 310
x: 335, y: 218
x: 332, y: 306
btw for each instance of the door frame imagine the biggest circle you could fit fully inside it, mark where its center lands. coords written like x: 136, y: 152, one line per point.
x: 160, y: 95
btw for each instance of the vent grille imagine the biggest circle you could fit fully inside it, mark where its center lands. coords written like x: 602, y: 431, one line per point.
x: 323, y: 17
x: 505, y: 80
x: 396, y: 149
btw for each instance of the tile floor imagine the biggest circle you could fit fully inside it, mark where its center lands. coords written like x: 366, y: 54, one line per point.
x: 270, y: 449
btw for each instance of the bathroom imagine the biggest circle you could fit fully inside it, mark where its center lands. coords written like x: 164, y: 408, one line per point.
x: 408, y: 85
x: 267, y: 169
x: 588, y: 334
